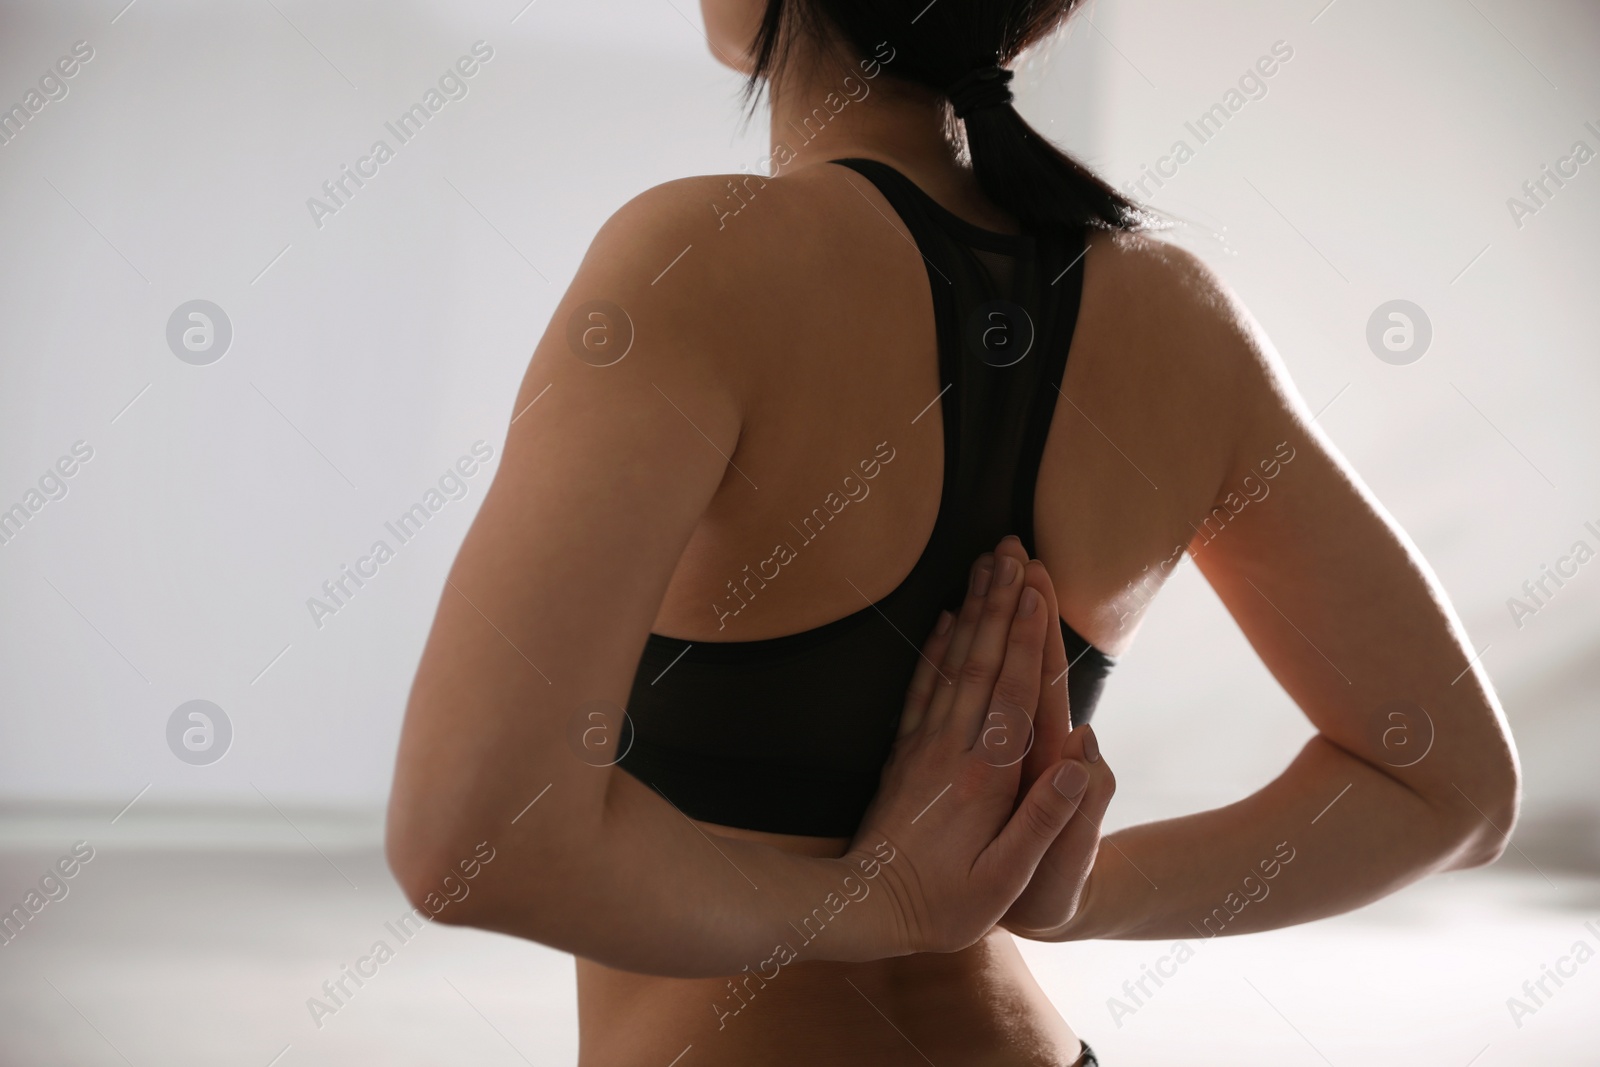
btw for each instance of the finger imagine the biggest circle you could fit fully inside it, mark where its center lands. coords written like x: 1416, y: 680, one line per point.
x: 1081, y: 744
x: 1010, y: 546
x: 1055, y: 652
x: 977, y: 676
x: 1052, y: 720
x: 1006, y: 732
x: 1070, y: 857
x: 923, y: 680
x: 1015, y: 853
x: 960, y: 638
x: 1097, y: 797
x: 978, y: 582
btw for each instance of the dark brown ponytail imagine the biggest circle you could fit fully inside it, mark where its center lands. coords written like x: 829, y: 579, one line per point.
x: 942, y: 45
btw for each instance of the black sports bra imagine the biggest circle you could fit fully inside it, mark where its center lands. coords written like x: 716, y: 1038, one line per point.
x: 789, y: 734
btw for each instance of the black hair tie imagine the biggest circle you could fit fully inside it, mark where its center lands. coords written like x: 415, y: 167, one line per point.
x: 984, y: 87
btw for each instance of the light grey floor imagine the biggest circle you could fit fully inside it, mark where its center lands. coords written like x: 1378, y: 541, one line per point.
x: 207, y: 957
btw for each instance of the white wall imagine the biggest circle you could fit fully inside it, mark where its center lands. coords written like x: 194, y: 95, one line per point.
x: 379, y: 347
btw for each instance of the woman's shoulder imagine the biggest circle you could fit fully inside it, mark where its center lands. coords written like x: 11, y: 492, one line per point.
x: 725, y: 258
x: 1168, y: 305
x: 1166, y: 281
x: 727, y: 234
x: 742, y: 212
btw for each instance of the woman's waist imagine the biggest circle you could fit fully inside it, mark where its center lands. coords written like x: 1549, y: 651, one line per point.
x: 977, y: 1006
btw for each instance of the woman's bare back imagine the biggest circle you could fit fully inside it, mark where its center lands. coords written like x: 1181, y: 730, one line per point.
x: 844, y: 369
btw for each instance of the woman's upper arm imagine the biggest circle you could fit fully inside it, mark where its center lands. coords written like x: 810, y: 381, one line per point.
x: 605, y: 472
x: 1337, y: 601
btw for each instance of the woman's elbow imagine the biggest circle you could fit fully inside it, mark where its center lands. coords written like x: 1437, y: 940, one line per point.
x: 1485, y: 806
x: 441, y: 875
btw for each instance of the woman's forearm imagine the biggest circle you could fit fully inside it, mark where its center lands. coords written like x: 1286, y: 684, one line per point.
x: 643, y: 889
x: 1328, y: 835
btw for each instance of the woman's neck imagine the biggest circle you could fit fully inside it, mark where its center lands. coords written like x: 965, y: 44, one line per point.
x: 824, y: 107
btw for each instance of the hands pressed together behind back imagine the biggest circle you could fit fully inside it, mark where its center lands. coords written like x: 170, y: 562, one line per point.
x: 991, y: 800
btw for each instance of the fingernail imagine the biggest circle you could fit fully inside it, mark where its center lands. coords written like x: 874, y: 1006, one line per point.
x: 1028, y: 604
x: 980, y: 578
x: 1070, y: 780
x: 1008, y: 570
x: 1091, y: 747
x: 942, y: 627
